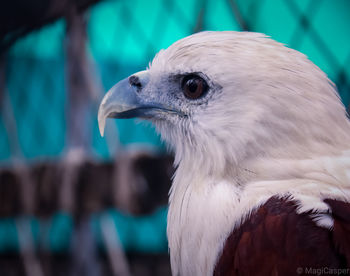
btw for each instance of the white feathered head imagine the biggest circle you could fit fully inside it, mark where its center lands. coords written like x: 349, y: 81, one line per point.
x: 223, y: 98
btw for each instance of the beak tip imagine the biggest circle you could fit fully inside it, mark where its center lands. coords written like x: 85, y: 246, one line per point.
x: 101, y: 123
x: 102, y: 130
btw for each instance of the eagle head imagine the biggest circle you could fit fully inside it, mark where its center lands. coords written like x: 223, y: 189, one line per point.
x: 222, y: 98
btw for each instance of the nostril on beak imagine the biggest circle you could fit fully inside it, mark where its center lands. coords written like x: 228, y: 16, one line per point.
x: 135, y: 81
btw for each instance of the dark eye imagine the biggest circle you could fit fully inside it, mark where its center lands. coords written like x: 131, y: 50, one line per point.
x: 194, y: 86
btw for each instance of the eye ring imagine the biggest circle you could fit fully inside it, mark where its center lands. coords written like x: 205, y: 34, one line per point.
x: 193, y: 86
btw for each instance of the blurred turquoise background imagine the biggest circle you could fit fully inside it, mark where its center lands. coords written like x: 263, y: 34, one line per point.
x: 123, y: 36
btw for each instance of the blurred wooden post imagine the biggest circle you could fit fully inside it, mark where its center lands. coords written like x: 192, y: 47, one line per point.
x: 77, y: 140
x: 82, y: 89
x: 79, y: 96
x: 80, y: 92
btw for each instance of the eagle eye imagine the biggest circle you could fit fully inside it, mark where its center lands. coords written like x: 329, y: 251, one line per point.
x: 193, y: 86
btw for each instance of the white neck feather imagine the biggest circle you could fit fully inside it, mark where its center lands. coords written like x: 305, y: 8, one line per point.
x: 204, y: 210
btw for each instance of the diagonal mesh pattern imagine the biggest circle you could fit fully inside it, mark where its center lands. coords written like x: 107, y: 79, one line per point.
x: 316, y: 28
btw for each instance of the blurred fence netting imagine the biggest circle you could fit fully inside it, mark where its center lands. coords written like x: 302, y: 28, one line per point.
x: 71, y: 202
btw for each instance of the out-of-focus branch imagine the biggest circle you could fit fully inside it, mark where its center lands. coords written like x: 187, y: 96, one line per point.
x: 26, y: 247
x: 115, y: 253
x: 18, y: 18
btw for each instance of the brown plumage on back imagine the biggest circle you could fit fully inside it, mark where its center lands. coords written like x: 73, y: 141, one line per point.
x: 275, y: 240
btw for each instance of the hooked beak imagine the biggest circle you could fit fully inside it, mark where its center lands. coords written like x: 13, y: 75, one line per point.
x: 124, y: 100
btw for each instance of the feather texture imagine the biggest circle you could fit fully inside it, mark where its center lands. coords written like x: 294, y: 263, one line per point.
x: 276, y: 240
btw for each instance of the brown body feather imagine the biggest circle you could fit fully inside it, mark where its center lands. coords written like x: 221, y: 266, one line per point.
x: 276, y: 240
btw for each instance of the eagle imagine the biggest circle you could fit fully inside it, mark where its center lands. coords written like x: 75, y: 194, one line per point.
x: 262, y: 155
